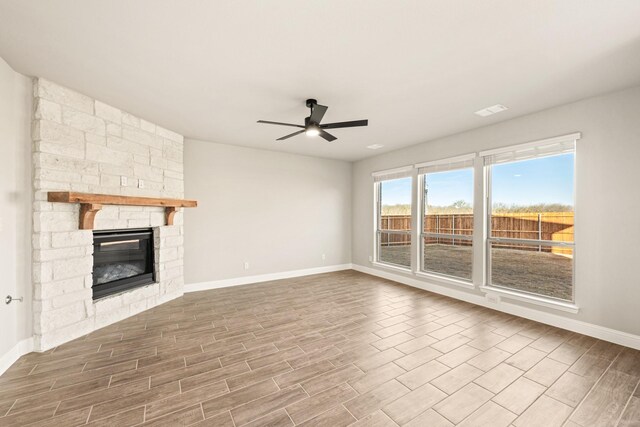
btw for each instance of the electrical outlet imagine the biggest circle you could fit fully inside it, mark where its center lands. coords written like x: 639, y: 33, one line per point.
x: 493, y: 298
x: 140, y: 183
x: 123, y: 181
x: 246, y: 265
x: 324, y: 257
x: 370, y: 258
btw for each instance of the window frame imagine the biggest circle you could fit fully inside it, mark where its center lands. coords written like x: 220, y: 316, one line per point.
x: 487, y: 285
x: 481, y: 238
x: 420, y: 267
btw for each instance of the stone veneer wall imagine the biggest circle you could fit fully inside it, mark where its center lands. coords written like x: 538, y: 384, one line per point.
x: 80, y: 144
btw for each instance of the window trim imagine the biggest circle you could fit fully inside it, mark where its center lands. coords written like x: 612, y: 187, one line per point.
x: 531, y: 144
x: 447, y: 164
x: 448, y: 280
x: 393, y: 267
x: 395, y: 173
x: 531, y: 298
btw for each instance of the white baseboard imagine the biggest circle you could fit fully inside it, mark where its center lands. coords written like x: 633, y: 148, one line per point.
x: 246, y: 280
x: 596, y: 331
x: 9, y: 358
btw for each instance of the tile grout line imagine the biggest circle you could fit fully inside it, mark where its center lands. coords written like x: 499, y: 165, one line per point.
x: 553, y: 398
x: 394, y: 421
x: 202, y: 410
x: 627, y: 403
x: 56, y: 410
x: 347, y: 409
x: 591, y: 389
x: 89, y: 415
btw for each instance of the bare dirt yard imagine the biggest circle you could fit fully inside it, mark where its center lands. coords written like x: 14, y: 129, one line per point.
x: 536, y: 272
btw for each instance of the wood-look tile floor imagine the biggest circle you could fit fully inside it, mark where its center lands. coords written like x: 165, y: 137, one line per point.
x: 332, y: 350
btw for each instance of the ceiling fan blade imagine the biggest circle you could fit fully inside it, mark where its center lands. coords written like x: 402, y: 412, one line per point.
x: 351, y: 124
x: 327, y: 136
x: 318, y: 113
x: 290, y: 135
x: 279, y: 123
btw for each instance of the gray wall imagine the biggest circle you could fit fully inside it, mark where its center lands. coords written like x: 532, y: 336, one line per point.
x: 15, y: 206
x: 277, y: 211
x: 607, y: 196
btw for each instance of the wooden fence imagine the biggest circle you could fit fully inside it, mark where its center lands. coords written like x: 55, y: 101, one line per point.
x: 554, y: 226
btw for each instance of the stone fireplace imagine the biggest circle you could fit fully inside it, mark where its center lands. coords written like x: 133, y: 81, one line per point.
x: 81, y: 144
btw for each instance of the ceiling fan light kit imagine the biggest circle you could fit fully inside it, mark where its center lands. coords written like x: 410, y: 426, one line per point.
x: 312, y: 130
x: 312, y: 126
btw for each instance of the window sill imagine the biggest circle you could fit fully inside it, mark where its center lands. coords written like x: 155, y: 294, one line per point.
x: 531, y: 299
x: 445, y: 280
x: 392, y: 267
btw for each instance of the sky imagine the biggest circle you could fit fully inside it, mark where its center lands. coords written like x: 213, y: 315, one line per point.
x: 444, y: 188
x: 542, y: 180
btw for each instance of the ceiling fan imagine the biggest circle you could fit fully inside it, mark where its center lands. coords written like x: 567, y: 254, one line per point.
x: 312, y: 126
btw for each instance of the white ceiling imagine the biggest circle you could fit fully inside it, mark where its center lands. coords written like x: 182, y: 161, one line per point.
x: 416, y: 69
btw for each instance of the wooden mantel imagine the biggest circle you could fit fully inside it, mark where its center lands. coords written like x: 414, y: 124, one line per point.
x: 90, y: 204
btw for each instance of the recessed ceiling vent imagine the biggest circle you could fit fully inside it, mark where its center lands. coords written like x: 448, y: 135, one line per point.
x: 491, y: 110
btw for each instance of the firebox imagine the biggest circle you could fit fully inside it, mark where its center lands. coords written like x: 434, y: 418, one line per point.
x: 122, y: 260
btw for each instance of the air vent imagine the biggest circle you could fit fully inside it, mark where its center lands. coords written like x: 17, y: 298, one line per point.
x: 491, y: 110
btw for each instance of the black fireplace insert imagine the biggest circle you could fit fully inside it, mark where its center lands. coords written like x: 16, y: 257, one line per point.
x: 122, y: 260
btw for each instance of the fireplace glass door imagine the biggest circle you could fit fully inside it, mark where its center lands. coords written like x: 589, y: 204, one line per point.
x: 122, y: 260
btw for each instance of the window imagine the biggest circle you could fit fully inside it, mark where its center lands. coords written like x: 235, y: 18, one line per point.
x: 525, y: 200
x: 530, y: 244
x: 393, y: 214
x: 447, y: 217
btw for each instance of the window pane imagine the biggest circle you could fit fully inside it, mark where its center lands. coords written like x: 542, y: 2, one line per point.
x: 541, y: 270
x: 451, y: 257
x: 448, y: 208
x: 395, y: 249
x: 395, y: 214
x: 395, y: 202
x: 533, y: 199
x: 448, y: 202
